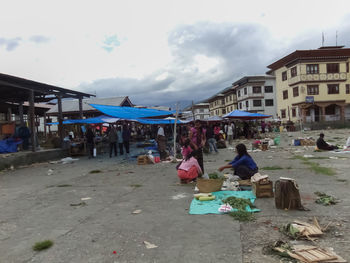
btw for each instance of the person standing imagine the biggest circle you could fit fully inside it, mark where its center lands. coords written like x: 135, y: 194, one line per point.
x: 263, y: 125
x: 126, y: 138
x: 90, y: 141
x: 229, y: 134
x: 161, y: 141
x: 120, y: 140
x: 211, y: 140
x: 198, y: 138
x: 112, y: 139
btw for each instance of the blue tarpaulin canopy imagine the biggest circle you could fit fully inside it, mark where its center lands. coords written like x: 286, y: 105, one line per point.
x: 130, y: 112
x: 157, y: 121
x: 94, y: 120
x: 243, y: 115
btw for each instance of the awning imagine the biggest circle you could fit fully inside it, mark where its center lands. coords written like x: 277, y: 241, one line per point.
x: 130, y: 112
x: 94, y: 120
x: 243, y: 115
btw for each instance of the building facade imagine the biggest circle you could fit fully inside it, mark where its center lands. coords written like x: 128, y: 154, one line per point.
x: 217, y: 105
x: 313, y: 85
x: 230, y: 99
x: 199, y: 111
x: 256, y: 94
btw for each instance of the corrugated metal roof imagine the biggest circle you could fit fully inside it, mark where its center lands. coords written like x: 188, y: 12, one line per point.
x: 73, y: 105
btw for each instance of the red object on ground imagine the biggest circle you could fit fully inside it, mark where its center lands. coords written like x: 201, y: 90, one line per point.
x: 156, y: 159
x: 188, y: 175
x: 114, y: 252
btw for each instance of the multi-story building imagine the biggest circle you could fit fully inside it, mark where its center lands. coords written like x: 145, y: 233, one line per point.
x: 217, y: 105
x: 313, y: 85
x: 199, y: 111
x: 223, y: 102
x: 230, y: 99
x: 256, y: 94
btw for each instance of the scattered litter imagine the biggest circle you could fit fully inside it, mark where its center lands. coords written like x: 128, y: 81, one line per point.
x: 42, y: 245
x: 299, y: 229
x: 138, y: 211
x: 179, y: 196
x: 50, y: 172
x: 325, y: 199
x: 333, y: 157
x: 225, y: 208
x: 85, y: 198
x: 308, y: 156
x: 114, y: 252
x: 149, y: 245
x: 79, y: 204
x: 95, y: 171
x: 68, y: 160
x: 54, y: 162
x: 12, y: 167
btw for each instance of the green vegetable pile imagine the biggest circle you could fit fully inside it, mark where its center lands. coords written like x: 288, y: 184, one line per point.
x: 239, y: 203
x: 325, y: 199
x: 242, y: 216
x: 215, y: 176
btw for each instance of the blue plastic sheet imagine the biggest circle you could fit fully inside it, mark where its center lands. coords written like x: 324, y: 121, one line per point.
x: 130, y: 112
x: 237, y: 114
x: 212, y: 207
x: 9, y: 145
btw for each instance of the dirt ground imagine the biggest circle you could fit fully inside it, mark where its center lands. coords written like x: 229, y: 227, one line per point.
x: 44, y: 201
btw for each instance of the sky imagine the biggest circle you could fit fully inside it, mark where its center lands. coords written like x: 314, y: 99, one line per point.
x: 160, y: 51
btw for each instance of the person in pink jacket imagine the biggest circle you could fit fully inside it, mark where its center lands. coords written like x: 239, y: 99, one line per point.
x: 189, y: 169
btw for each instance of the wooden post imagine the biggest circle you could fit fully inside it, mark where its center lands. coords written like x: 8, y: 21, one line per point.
x: 32, y: 119
x: 81, y: 107
x: 60, y: 119
x: 45, y: 131
x: 176, y: 117
x: 20, y: 110
x: 9, y: 114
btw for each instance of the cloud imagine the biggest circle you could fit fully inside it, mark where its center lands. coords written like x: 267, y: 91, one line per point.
x: 206, y: 58
x: 39, y: 39
x: 110, y: 43
x: 10, y: 44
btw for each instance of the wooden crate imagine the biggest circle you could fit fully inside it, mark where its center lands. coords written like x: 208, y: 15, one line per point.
x: 263, y: 189
x: 143, y: 159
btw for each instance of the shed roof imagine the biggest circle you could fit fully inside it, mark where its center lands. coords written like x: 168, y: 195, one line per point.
x: 73, y: 105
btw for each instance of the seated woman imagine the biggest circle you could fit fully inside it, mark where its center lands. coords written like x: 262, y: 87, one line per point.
x: 189, y: 169
x: 244, y: 165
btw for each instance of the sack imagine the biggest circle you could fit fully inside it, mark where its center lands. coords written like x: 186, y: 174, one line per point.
x: 95, y: 152
x: 287, y: 195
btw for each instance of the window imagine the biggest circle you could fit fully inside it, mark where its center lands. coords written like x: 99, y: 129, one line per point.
x: 333, y: 88
x: 247, y: 104
x: 347, y: 89
x: 293, y: 72
x: 295, y: 91
x: 294, y: 112
x: 239, y: 93
x: 312, y: 69
x: 268, y: 89
x: 256, y: 103
x: 347, y: 67
x: 285, y: 94
x: 269, y: 102
x: 330, y: 110
x: 312, y: 89
x: 257, y: 89
x: 284, y: 75
x: 223, y: 111
x: 333, y: 68
x: 201, y: 110
x: 283, y: 113
x: 245, y: 91
x: 240, y: 105
x: 222, y: 102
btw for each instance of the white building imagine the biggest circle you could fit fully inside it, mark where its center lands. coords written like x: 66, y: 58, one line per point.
x: 257, y: 94
x: 199, y: 110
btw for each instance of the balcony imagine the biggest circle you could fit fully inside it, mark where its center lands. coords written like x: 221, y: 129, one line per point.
x: 317, y: 77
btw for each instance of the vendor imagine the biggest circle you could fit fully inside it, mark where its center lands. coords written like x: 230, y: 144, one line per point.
x: 322, y: 145
x: 189, y: 169
x: 243, y: 164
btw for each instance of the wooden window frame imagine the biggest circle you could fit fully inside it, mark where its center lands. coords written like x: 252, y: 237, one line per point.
x: 257, y: 89
x: 294, y: 112
x: 296, y: 91
x: 313, y: 90
x: 267, y: 104
x: 312, y: 69
x: 333, y: 88
x: 254, y: 101
x: 267, y: 89
x: 347, y: 89
x: 293, y: 72
x: 333, y: 68
x: 284, y: 75
x: 285, y: 94
x: 247, y: 104
x: 283, y: 114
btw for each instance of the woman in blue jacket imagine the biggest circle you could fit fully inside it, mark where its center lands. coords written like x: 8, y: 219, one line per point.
x: 243, y: 164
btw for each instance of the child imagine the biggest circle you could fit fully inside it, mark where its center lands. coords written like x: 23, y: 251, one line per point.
x: 189, y: 169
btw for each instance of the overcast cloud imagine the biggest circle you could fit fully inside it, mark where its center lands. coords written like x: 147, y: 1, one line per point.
x: 160, y: 51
